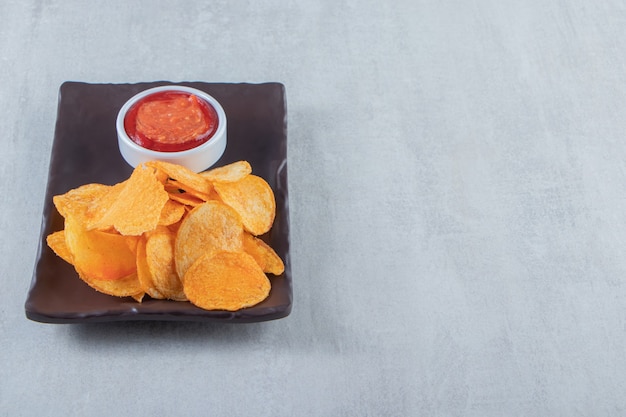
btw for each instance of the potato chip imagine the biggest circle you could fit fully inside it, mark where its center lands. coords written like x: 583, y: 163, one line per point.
x: 99, y: 255
x: 127, y: 286
x: 208, y: 228
x: 176, y: 185
x: 188, y: 179
x: 160, y: 260
x: 171, y: 213
x: 263, y: 254
x: 185, y: 199
x: 144, y: 274
x: 56, y: 242
x: 138, y: 206
x: 253, y: 199
x: 228, y: 173
x: 87, y: 203
x: 226, y: 281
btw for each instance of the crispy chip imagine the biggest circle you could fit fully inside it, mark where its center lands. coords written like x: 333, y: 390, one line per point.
x: 99, y: 255
x: 144, y: 274
x: 171, y: 185
x: 208, y: 228
x: 185, y: 199
x: 188, y: 179
x: 56, y: 241
x: 138, y: 206
x: 226, y: 281
x: 160, y: 260
x: 263, y: 254
x: 87, y: 203
x: 253, y: 199
x: 172, y: 212
x: 125, y: 287
x: 228, y: 173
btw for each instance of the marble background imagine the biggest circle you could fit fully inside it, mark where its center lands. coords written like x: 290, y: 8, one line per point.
x: 457, y: 199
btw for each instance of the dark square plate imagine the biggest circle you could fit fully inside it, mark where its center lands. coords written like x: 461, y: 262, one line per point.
x: 85, y: 150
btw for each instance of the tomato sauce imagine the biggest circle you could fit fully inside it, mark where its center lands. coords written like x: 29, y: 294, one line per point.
x: 171, y: 121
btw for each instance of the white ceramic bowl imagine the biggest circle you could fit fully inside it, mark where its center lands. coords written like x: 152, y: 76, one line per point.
x: 197, y: 159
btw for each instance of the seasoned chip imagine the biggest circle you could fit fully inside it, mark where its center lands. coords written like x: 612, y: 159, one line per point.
x: 226, y: 281
x: 56, y: 242
x: 177, y: 185
x: 77, y: 201
x: 172, y: 212
x: 144, y: 274
x: 228, y: 173
x: 263, y: 254
x: 103, y: 205
x: 160, y: 260
x: 253, y: 199
x: 87, y: 203
x: 124, y: 287
x: 208, y: 228
x: 138, y: 206
x: 188, y: 179
x: 99, y: 255
x: 185, y: 199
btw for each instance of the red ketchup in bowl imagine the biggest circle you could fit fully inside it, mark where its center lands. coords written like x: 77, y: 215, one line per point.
x: 171, y: 121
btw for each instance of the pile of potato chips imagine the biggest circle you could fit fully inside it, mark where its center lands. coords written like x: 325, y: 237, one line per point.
x: 173, y: 234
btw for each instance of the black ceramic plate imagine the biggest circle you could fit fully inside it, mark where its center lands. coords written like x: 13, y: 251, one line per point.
x: 85, y: 151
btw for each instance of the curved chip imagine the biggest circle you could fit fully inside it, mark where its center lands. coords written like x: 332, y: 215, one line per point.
x: 56, y: 242
x: 208, y: 228
x: 138, y: 206
x: 144, y: 275
x: 186, y: 199
x: 226, y: 281
x: 99, y: 255
x: 253, y: 199
x: 186, y: 178
x: 125, y: 287
x: 263, y: 254
x: 228, y: 173
x: 176, y: 185
x: 87, y: 203
x: 160, y: 260
x: 172, y: 212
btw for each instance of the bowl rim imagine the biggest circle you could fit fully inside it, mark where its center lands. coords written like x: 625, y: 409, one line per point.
x: 214, y: 141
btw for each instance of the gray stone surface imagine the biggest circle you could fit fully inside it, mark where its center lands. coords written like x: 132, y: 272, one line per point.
x: 458, y: 208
